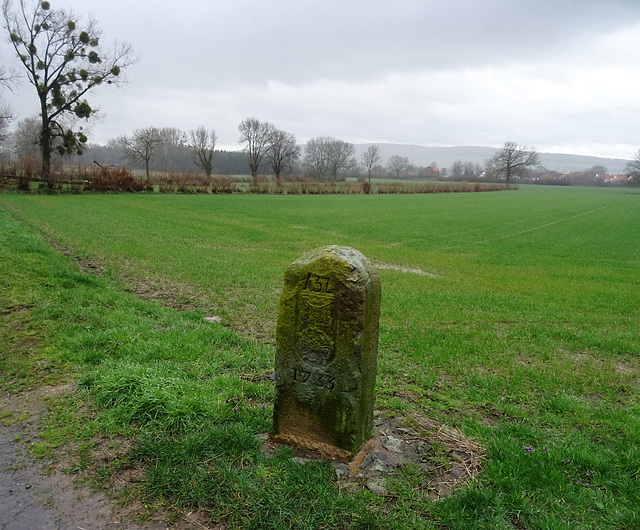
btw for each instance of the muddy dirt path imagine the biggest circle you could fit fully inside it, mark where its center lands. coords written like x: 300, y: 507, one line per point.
x: 33, y: 499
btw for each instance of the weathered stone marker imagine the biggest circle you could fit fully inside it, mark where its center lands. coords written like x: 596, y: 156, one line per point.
x: 326, y: 352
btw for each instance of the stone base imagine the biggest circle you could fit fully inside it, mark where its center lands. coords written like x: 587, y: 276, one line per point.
x: 395, y: 446
x: 331, y: 452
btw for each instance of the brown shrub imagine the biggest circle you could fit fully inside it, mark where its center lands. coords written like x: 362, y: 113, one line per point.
x: 114, y: 179
x: 223, y: 185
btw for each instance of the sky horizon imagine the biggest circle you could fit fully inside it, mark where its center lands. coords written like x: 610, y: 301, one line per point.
x: 559, y: 76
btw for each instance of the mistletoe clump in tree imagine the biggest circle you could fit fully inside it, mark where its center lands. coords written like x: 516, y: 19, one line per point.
x: 63, y: 62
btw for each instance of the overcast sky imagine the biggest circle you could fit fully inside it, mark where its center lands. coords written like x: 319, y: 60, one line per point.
x: 558, y: 75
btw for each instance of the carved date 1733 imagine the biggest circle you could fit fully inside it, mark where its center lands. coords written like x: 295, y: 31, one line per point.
x: 300, y: 375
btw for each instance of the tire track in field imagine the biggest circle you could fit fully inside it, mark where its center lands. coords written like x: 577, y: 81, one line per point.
x: 405, y: 270
x: 546, y: 225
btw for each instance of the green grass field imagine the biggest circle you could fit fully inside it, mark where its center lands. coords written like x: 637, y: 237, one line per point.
x: 512, y: 316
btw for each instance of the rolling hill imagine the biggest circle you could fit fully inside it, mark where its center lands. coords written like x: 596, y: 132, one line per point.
x: 445, y: 156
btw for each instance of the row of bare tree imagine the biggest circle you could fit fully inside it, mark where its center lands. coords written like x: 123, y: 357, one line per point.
x: 266, y: 149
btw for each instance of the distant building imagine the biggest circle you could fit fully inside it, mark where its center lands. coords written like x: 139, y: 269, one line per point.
x: 618, y: 180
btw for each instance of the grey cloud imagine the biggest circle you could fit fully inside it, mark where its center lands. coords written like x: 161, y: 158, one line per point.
x: 295, y: 42
x: 413, y: 71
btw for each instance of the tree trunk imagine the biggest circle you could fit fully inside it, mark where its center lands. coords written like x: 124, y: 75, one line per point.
x: 45, y: 144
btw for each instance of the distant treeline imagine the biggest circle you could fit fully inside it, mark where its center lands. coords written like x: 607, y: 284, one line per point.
x: 170, y: 159
x: 174, y: 153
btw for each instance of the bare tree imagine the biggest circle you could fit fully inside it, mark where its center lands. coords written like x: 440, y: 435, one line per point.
x: 8, y: 80
x: 371, y: 158
x: 63, y: 63
x: 316, y: 157
x: 326, y: 157
x: 633, y: 170
x: 457, y: 169
x: 512, y: 160
x: 595, y: 174
x: 397, y: 165
x: 203, y: 144
x: 25, y: 138
x: 473, y: 170
x: 465, y: 170
x: 340, y: 155
x: 353, y: 169
x: 255, y: 134
x: 283, y: 151
x: 142, y: 146
x: 173, y: 150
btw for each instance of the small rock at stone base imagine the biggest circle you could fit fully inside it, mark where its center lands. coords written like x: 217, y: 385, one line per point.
x: 341, y: 469
x: 379, y: 466
x: 350, y: 487
x: 392, y: 444
x: 377, y: 487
